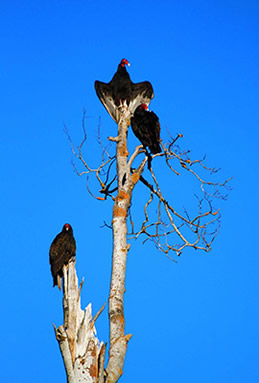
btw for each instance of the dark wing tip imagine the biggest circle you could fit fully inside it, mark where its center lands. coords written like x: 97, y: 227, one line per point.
x: 96, y: 83
x: 97, y: 86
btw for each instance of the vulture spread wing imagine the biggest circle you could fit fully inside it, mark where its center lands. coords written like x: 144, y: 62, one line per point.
x: 121, y: 90
x: 62, y: 249
x: 142, y: 93
x: 146, y: 127
x: 104, y: 93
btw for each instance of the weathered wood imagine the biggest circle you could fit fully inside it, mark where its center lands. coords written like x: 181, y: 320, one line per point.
x: 118, y: 339
x: 83, y: 356
x: 78, y: 343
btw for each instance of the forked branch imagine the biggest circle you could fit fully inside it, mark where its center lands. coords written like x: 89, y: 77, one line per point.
x: 170, y: 230
x: 197, y: 232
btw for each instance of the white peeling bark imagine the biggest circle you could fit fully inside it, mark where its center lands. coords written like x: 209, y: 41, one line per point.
x: 118, y: 339
x: 79, y: 346
x: 83, y: 356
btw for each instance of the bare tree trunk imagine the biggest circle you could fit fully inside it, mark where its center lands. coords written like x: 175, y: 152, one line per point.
x: 118, y: 340
x: 82, y: 354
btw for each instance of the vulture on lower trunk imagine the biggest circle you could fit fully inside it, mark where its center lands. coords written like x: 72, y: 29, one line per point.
x: 62, y: 250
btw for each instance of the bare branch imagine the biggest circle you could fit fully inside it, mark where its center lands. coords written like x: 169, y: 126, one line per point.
x: 139, y: 149
x: 198, y: 226
x: 170, y: 230
x: 98, y: 314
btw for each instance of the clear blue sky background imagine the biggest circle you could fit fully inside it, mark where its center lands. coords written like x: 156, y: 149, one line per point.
x: 196, y: 320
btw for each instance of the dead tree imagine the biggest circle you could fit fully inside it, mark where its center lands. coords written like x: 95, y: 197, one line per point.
x: 82, y: 353
x: 171, y: 232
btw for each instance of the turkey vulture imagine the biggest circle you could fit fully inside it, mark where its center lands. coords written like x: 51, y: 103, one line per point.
x: 62, y: 249
x: 146, y: 127
x: 120, y: 90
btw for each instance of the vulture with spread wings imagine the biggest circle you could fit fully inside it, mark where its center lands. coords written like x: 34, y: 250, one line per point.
x: 121, y: 90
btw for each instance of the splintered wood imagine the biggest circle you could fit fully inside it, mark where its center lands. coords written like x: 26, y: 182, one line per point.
x: 79, y: 346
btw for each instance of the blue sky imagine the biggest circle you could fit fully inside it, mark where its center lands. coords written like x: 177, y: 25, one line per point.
x: 196, y: 320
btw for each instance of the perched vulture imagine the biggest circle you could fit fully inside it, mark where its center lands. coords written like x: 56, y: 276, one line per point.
x: 121, y: 90
x: 146, y: 127
x: 62, y: 249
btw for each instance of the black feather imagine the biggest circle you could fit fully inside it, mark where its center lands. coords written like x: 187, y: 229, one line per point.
x: 62, y: 249
x: 146, y: 127
x: 121, y: 90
